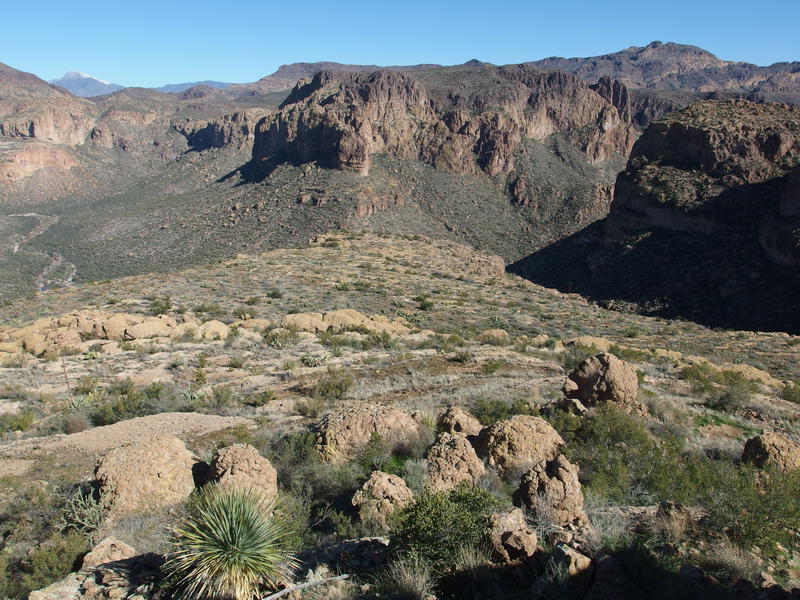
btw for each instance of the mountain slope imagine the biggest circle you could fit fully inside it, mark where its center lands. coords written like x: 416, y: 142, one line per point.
x: 669, y: 66
x: 84, y: 85
x: 703, y: 224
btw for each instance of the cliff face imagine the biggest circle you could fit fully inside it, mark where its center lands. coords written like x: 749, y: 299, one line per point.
x: 342, y: 120
x: 704, y: 222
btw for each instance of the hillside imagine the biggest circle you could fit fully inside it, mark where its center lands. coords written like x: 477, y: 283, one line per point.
x: 240, y: 352
x: 702, y: 224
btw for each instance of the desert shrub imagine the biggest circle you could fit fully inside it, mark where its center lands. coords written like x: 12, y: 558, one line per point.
x: 461, y: 357
x: 281, y: 338
x: 160, y: 306
x: 312, y: 360
x: 209, y: 309
x: 791, y: 392
x: 409, y: 578
x: 244, y: 313
x: 575, y: 355
x: 256, y: 399
x: 76, y: 424
x: 84, y: 511
x: 236, y: 362
x: 228, y: 546
x: 333, y: 385
x: 50, y: 561
x: 491, y: 366
x: 85, y: 385
x: 17, y: 421
x: 382, y: 340
x: 312, y: 407
x: 437, y: 524
x: 491, y: 410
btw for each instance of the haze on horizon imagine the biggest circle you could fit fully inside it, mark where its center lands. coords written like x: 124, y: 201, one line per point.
x: 154, y: 43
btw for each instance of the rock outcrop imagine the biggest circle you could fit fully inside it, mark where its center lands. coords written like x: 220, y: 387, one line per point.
x: 604, y: 379
x: 380, y: 496
x: 342, y: 120
x: 519, y: 443
x: 457, y: 421
x: 346, y: 431
x: 151, y: 474
x: 343, y: 319
x: 242, y: 465
x: 772, y: 449
x: 702, y: 223
x: 452, y: 460
x: 552, y: 491
x: 510, y: 536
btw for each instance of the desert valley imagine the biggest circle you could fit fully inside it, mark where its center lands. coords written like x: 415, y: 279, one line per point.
x: 413, y: 332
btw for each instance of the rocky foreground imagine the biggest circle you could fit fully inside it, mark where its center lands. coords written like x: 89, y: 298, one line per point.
x: 383, y: 389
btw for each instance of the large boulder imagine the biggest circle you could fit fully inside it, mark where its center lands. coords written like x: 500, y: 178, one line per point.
x: 109, y: 550
x: 149, y: 328
x: 604, y: 378
x: 772, y: 449
x: 345, y: 432
x: 452, y: 460
x: 241, y: 464
x: 510, y: 536
x: 380, y: 496
x: 519, y: 443
x: 552, y: 491
x: 146, y: 475
x: 458, y: 422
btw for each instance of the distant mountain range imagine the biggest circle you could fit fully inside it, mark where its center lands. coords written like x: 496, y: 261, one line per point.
x: 86, y: 86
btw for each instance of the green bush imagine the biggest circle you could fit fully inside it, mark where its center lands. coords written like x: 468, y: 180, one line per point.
x: 438, y: 524
x: 228, y: 546
x: 333, y: 385
x: 491, y: 410
x: 791, y: 392
x: 575, y: 355
x: 17, y: 421
x: 160, y: 306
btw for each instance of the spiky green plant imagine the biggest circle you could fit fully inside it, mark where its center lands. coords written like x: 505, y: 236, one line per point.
x: 228, y: 546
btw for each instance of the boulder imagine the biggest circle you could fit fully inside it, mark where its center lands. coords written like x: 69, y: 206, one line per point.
x: 588, y: 341
x: 772, y: 449
x: 149, y: 328
x: 381, y: 495
x: 510, y: 536
x: 553, y: 487
x: 212, y: 330
x: 573, y: 561
x: 241, y: 464
x: 112, y: 328
x: 519, y: 443
x: 304, y: 322
x: 458, y: 422
x: 604, y: 378
x: 150, y: 474
x: 108, y: 550
x: 346, y: 431
x: 452, y: 460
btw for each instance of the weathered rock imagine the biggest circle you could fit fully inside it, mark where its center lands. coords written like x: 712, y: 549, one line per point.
x: 212, y: 330
x: 457, y: 421
x: 588, y: 341
x: 343, y: 319
x: 452, y: 460
x: 241, y: 464
x: 346, y: 431
x: 772, y: 449
x: 380, y: 496
x: 510, y: 536
x: 604, y: 378
x: 519, y: 443
x: 109, y: 549
x: 553, y: 486
x: 151, y: 327
x: 573, y: 561
x: 146, y: 475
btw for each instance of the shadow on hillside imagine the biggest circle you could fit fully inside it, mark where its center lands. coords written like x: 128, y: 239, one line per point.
x: 630, y: 574
x: 715, y: 280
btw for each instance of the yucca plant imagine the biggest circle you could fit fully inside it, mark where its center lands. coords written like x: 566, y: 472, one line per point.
x: 228, y: 546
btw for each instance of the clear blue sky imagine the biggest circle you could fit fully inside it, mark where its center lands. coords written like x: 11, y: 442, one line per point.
x: 151, y: 43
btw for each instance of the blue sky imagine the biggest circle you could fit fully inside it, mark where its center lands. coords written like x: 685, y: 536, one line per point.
x: 151, y: 43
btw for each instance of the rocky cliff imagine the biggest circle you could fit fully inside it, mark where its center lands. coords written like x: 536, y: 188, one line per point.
x: 703, y: 223
x: 343, y: 120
